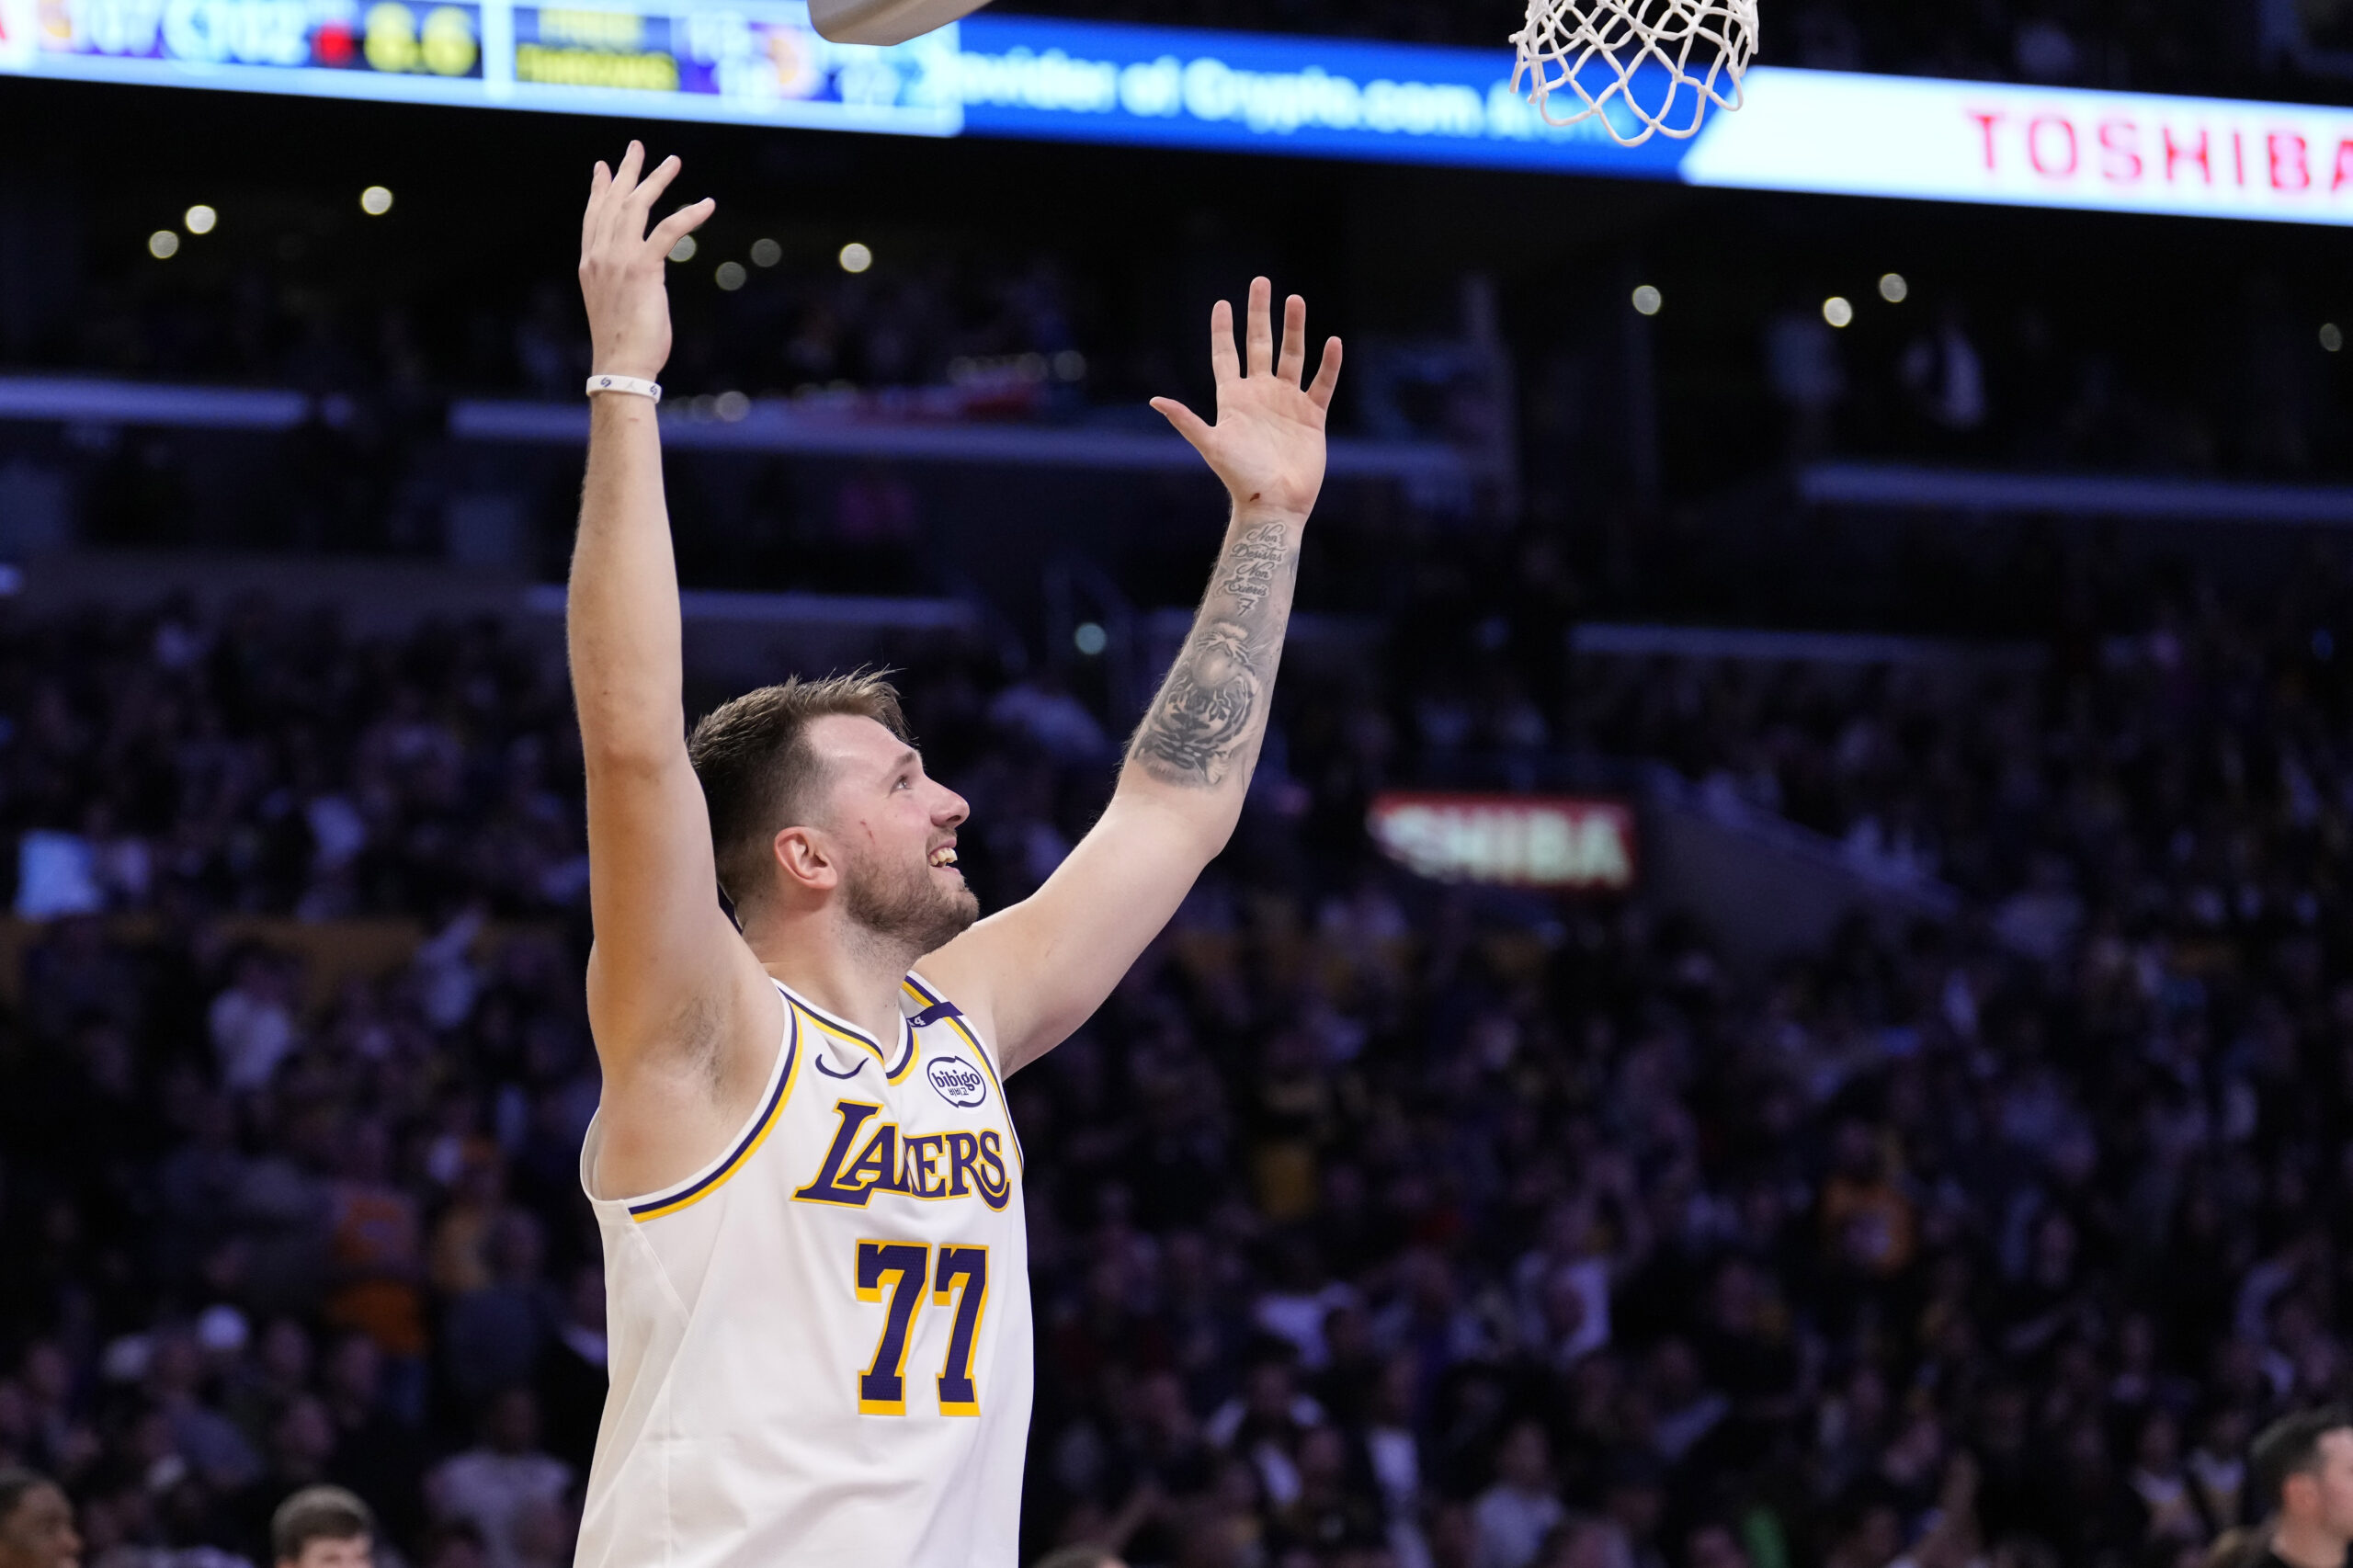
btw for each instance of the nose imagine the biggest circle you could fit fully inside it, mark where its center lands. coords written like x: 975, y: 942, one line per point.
x: 952, y: 808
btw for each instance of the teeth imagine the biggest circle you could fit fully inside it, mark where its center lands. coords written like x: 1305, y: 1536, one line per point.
x: 943, y: 855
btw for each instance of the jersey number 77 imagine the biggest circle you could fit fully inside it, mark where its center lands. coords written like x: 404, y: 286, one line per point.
x: 958, y: 1275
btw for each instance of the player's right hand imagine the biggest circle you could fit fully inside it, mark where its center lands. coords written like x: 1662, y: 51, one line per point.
x: 620, y: 265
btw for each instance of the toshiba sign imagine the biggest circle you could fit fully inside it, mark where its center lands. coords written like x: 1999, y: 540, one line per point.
x: 1530, y: 841
x: 2032, y: 146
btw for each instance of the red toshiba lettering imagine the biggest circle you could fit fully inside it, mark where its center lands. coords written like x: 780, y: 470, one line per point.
x: 2291, y: 170
x: 1986, y: 123
x: 2344, y: 164
x: 2120, y: 142
x: 2175, y: 153
x: 2035, y: 140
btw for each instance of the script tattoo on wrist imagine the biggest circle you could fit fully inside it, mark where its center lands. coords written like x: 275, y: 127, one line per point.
x: 1253, y: 564
x: 1210, y: 709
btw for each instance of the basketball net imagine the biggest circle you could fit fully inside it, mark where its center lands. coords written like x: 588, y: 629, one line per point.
x: 1593, y: 50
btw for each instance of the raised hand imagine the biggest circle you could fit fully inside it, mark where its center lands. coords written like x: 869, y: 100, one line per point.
x: 1268, y: 443
x: 621, y: 264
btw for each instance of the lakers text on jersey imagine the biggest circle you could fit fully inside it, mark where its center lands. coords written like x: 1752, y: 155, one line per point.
x: 820, y: 1344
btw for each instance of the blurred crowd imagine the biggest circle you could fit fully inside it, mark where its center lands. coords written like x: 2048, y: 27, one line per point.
x: 1552, y: 1241
x: 277, y: 1213
x: 2192, y: 777
x: 753, y: 317
x: 942, y: 335
x: 1374, y: 1224
x: 1957, y: 374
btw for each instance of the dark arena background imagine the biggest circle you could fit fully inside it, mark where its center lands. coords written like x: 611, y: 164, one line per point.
x: 1784, y: 995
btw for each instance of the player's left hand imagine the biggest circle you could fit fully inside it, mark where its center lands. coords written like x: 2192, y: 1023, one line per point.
x: 1268, y: 443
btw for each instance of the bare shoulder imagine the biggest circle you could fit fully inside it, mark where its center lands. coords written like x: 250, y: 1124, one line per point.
x: 680, y: 1081
x: 968, y: 971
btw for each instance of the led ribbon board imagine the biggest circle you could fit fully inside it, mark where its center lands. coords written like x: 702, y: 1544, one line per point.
x: 1854, y: 136
x: 1524, y: 841
x: 1264, y: 93
x: 760, y: 63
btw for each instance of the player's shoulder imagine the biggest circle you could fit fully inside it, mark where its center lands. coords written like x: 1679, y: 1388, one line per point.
x: 958, y: 976
x: 952, y: 989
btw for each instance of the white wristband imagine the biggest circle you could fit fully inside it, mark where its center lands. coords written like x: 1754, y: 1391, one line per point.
x: 630, y: 384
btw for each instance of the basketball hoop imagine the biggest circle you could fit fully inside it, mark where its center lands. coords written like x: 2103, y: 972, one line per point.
x: 1596, y: 50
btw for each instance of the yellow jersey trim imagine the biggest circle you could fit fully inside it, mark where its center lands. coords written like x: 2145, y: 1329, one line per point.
x: 655, y: 1209
x: 925, y: 995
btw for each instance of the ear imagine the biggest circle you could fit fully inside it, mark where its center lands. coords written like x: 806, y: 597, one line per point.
x: 805, y: 860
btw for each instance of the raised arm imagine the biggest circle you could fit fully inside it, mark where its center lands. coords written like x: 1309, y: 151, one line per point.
x: 1047, y: 963
x: 671, y: 986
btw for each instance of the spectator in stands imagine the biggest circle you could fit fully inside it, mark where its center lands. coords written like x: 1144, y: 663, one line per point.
x: 376, y: 1452
x: 322, y: 1527
x: 1514, y: 1515
x: 509, y: 1492
x: 36, y: 1523
x: 2303, y: 1466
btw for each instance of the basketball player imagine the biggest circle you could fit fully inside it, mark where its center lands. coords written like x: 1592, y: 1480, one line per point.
x: 809, y: 1188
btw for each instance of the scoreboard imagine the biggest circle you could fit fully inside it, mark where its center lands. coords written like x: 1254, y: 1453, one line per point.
x: 996, y: 73
x: 756, y: 62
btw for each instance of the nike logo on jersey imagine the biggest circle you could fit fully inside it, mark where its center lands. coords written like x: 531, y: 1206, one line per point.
x: 928, y: 1164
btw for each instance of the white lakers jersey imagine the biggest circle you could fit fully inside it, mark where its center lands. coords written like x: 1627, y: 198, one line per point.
x: 821, y: 1343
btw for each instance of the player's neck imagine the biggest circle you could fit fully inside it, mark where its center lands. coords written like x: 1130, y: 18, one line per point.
x: 2304, y: 1545
x: 841, y: 968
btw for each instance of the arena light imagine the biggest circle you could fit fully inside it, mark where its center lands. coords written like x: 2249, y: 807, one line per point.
x: 767, y: 253
x: 730, y: 275
x: 856, y: 257
x: 1836, y: 310
x: 1648, y: 300
x: 1527, y: 841
x: 162, y: 244
x: 2332, y: 337
x: 1893, y: 289
x: 684, y: 249
x: 376, y: 200
x: 200, y: 218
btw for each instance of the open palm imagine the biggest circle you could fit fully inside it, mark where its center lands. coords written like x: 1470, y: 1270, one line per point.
x: 622, y: 265
x: 1268, y: 443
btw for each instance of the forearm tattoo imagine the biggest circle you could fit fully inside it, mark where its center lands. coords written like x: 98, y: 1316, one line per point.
x: 1211, y: 707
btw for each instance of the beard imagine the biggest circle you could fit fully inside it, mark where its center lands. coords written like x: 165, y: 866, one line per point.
x: 903, y: 906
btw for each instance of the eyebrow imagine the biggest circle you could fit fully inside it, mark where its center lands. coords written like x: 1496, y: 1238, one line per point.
x: 900, y: 761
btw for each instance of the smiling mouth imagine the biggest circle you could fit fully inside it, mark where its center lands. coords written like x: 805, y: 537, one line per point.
x: 943, y: 855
